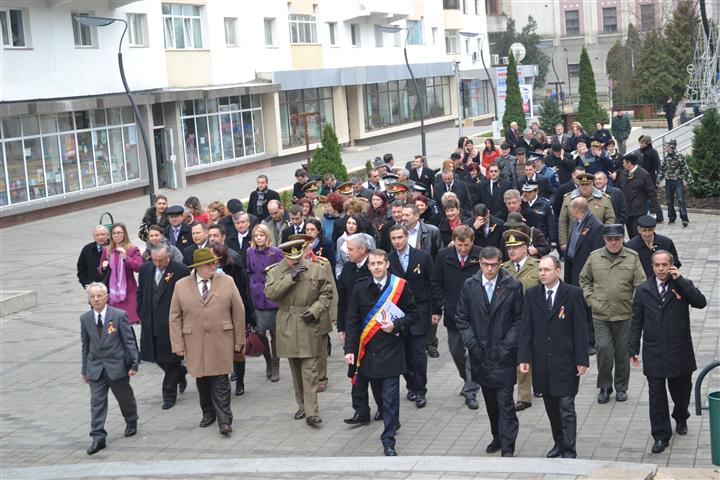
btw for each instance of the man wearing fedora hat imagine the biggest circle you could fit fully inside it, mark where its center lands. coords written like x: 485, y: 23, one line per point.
x: 207, y: 325
x: 304, y: 294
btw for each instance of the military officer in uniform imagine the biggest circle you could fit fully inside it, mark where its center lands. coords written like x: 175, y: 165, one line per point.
x: 598, y: 203
x: 311, y: 192
x: 524, y: 269
x: 304, y: 294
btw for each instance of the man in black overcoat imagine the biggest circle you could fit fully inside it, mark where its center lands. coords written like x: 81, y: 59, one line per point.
x: 156, y: 284
x: 648, y: 242
x: 89, y: 259
x: 585, y: 237
x: 553, y: 339
x: 384, y: 359
x: 488, y: 319
x: 661, y: 316
x: 415, y: 266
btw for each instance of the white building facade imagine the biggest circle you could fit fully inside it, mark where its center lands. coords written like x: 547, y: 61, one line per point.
x: 220, y: 84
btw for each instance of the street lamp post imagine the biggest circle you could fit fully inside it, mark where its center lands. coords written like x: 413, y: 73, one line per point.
x: 91, y: 21
x: 417, y: 89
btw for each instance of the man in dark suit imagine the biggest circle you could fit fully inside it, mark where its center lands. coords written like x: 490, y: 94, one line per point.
x: 419, y: 173
x: 649, y: 242
x: 639, y: 190
x: 487, y: 229
x: 488, y: 317
x: 396, y: 218
x: 199, y: 232
x: 493, y: 188
x: 553, y: 338
x: 89, y: 259
x: 448, y: 183
x: 562, y: 162
x: 453, y: 266
x: 616, y: 196
x: 156, y: 283
x: 109, y: 358
x: 239, y: 237
x: 297, y: 223
x: 358, y: 190
x: 512, y: 137
x: 235, y: 207
x: 528, y: 141
x: 259, y: 198
x: 382, y: 360
x: 585, y: 237
x: 543, y: 211
x: 421, y: 235
x: 178, y: 232
x: 415, y: 266
x: 661, y: 313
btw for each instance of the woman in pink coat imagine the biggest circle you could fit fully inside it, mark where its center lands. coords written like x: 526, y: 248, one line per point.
x: 118, y: 263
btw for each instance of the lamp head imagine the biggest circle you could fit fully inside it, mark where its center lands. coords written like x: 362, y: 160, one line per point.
x: 469, y: 34
x: 94, y: 21
x: 389, y: 29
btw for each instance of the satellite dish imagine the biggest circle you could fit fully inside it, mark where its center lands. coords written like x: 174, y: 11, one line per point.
x: 518, y: 50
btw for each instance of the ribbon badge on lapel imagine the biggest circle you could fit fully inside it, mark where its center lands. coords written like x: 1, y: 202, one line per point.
x: 417, y: 269
x: 473, y: 260
x: 677, y: 295
x: 492, y: 227
x: 111, y: 329
x: 584, y: 231
x: 168, y: 276
x: 561, y: 315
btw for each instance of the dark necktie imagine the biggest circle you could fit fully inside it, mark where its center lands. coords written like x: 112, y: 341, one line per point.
x: 100, y: 324
x: 517, y: 267
x: 205, y: 291
x: 663, y: 290
x: 549, y: 299
x: 379, y: 287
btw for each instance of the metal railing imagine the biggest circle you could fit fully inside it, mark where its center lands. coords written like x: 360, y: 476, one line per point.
x: 682, y: 134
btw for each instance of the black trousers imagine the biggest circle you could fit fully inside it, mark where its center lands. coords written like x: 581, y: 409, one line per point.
x: 680, y: 390
x: 390, y: 391
x: 431, y: 338
x: 563, y: 422
x: 416, y: 361
x: 631, y: 226
x: 359, y: 393
x: 500, y: 408
x: 462, y: 363
x: 174, y: 374
x: 214, y: 393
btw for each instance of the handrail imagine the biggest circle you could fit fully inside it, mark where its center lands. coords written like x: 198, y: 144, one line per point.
x: 698, y: 385
x: 674, y: 133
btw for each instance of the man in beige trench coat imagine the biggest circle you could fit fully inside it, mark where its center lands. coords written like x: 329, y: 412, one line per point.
x: 207, y: 324
x: 304, y: 294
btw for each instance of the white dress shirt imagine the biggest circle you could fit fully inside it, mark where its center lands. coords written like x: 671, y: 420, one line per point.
x: 554, y: 289
x: 103, y: 313
x: 200, y: 284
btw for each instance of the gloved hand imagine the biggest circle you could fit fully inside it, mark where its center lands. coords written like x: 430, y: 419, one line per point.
x: 297, y: 269
x: 308, y: 317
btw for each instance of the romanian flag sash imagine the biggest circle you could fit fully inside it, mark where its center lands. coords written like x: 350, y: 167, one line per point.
x: 371, y: 324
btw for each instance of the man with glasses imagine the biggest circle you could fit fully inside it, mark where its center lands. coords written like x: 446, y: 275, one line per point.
x: 488, y: 319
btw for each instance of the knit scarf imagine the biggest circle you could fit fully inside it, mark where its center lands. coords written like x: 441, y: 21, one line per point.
x: 118, y: 283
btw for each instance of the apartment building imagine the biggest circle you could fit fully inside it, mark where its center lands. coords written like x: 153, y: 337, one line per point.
x: 220, y: 84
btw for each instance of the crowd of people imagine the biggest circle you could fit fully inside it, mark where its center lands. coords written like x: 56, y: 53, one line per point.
x: 520, y: 251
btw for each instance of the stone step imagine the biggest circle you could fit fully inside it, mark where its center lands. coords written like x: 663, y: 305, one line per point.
x: 13, y: 301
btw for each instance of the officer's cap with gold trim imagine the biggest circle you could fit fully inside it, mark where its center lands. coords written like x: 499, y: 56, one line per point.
x: 292, y: 249
x: 345, y: 188
x: 515, y: 238
x: 585, y: 178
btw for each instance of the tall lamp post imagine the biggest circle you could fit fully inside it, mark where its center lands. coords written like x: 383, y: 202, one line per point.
x: 91, y: 21
x: 412, y: 75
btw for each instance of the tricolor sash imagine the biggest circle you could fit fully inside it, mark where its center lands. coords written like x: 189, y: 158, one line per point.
x: 377, y: 314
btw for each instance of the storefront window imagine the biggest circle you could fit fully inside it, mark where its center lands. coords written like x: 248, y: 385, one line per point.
x: 53, y: 169
x: 396, y: 102
x: 474, y: 99
x: 295, y: 102
x: 132, y: 160
x: 117, y: 160
x: 222, y: 129
x: 102, y: 157
x: 87, y: 160
x: 16, y: 171
x: 3, y: 183
x: 35, y: 170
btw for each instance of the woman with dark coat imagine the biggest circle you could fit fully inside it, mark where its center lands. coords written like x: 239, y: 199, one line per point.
x: 154, y: 215
x: 321, y: 246
x: 378, y: 210
x: 473, y: 181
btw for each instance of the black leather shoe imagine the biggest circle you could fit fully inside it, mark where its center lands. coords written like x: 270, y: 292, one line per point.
x: 390, y: 452
x: 471, y: 403
x: 604, y: 395
x: 239, y: 390
x: 299, y: 415
x: 681, y: 428
x: 314, y: 420
x: 520, y: 406
x: 685, y: 224
x: 412, y: 396
x: 537, y: 395
x: 96, y: 446
x: 182, y: 385
x: 621, y: 396
x: 378, y: 416
x: 555, y: 452
x: 432, y: 351
x: 358, y: 420
x: 130, y: 430
x: 168, y: 405
x: 494, y: 446
x: 420, y: 400
x: 207, y: 421
x: 567, y: 454
x: 508, y: 454
x: 659, y: 446
x: 225, y: 429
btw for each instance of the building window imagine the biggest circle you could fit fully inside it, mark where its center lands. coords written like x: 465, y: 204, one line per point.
x: 294, y: 102
x: 572, y: 22
x: 415, y: 32
x: 450, y: 42
x: 54, y: 154
x: 137, y: 29
x: 222, y: 129
x: 492, y: 7
x: 396, y: 102
x: 13, y: 27
x: 434, y: 35
x: 84, y: 35
x: 378, y: 37
x: 332, y: 30
x: 451, y: 4
x: 647, y: 17
x: 478, y: 8
x: 465, y: 8
x: 182, y: 26
x: 355, y: 34
x: 303, y: 28
x: 573, y: 69
x: 475, y: 99
x: 269, y: 32
x: 231, y: 39
x: 609, y: 20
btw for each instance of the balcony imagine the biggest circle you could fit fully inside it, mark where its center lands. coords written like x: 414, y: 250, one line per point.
x: 386, y: 10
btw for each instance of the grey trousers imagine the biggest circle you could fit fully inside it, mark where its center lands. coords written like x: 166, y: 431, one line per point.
x: 462, y: 363
x: 124, y: 395
x: 611, y: 342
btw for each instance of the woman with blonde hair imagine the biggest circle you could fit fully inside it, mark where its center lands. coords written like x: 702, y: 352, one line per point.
x: 259, y: 256
x: 118, y: 263
x: 216, y: 210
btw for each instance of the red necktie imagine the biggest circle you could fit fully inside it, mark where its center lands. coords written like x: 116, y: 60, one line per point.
x: 462, y: 261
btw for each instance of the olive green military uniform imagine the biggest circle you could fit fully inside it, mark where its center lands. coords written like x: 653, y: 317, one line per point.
x: 598, y: 203
x: 608, y: 282
x: 529, y: 277
x: 328, y: 319
x: 300, y: 342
